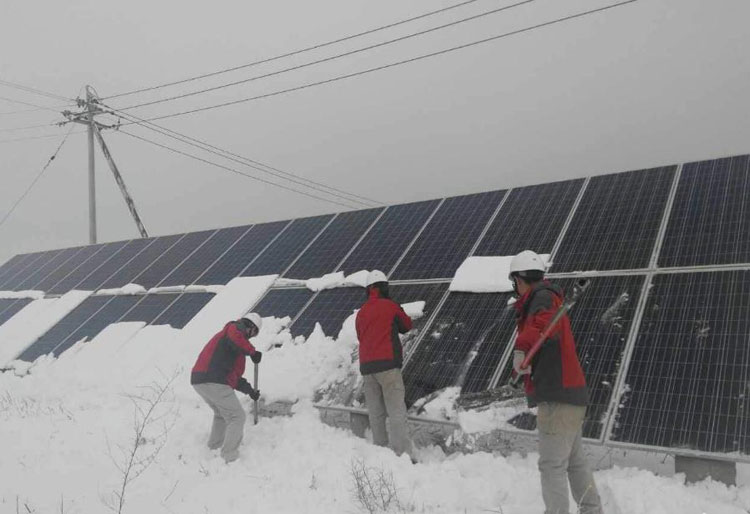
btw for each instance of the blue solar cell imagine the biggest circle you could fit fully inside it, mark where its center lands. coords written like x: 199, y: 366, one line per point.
x: 204, y: 257
x: 172, y: 258
x: 11, y: 265
x: 150, y: 307
x: 183, y: 309
x: 710, y: 218
x: 449, y: 237
x: 279, y: 254
x: 98, y: 255
x: 66, y: 326
x: 389, y: 237
x: 463, y: 345
x: 687, y: 382
x: 601, y: 321
x: 616, y: 223
x: 531, y: 218
x: 19, y: 265
x: 283, y: 302
x: 126, y: 274
x: 42, y: 271
x: 34, y: 265
x: 231, y: 264
x: 9, y: 308
x: 99, y: 276
x: 329, y: 308
x: 110, y: 313
x: 325, y: 254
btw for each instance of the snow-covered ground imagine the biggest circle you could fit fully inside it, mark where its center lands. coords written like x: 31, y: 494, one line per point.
x: 70, y: 427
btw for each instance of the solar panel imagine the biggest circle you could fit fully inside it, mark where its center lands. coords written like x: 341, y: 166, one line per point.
x: 449, y: 237
x: 11, y: 263
x: 325, y: 254
x: 710, y: 218
x: 469, y: 334
x: 110, y: 313
x: 42, y: 271
x: 75, y: 276
x: 136, y: 265
x: 616, y: 223
x: 687, y: 383
x: 28, y: 270
x: 66, y: 326
x: 289, y: 244
x: 9, y: 308
x: 21, y: 264
x: 150, y: 307
x: 231, y: 264
x: 172, y: 258
x: 389, y: 237
x: 531, y: 218
x: 100, y: 275
x: 283, y: 302
x: 204, y: 257
x: 67, y: 267
x: 183, y: 309
x: 601, y: 321
x: 330, y: 308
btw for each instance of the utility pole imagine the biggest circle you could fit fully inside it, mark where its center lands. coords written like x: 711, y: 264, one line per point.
x: 92, y: 178
x: 89, y: 109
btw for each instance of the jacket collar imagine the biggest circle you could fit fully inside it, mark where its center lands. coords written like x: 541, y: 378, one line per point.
x: 374, y: 293
x: 543, y: 284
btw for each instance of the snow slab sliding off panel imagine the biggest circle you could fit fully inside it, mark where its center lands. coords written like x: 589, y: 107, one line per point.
x: 688, y: 384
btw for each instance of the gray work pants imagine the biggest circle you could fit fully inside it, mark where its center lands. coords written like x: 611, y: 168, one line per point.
x: 384, y: 395
x: 561, y: 460
x: 229, y: 418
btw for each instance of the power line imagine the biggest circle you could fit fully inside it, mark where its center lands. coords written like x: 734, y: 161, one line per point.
x: 318, y: 186
x: 232, y: 170
x: 35, y: 91
x: 394, y: 64
x: 46, y: 136
x: 29, y: 127
x: 38, y: 107
x: 36, y: 179
x: 332, y: 58
x: 295, y: 52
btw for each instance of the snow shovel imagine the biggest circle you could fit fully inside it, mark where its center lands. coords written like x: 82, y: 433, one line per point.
x: 255, y: 402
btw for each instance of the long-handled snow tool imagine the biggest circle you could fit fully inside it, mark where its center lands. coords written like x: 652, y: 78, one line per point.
x: 511, y: 389
x: 255, y: 402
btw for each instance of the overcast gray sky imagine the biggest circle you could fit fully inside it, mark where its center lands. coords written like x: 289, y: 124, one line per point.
x: 650, y: 83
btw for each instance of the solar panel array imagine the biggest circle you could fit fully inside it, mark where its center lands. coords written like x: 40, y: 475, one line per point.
x: 662, y: 332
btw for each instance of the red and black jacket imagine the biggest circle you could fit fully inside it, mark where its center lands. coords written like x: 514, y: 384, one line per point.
x: 222, y: 360
x: 556, y: 374
x: 379, y: 322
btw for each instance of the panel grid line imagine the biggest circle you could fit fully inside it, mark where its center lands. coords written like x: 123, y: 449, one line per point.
x: 356, y: 244
x: 489, y: 222
x: 665, y: 218
x: 195, y: 280
x: 416, y: 237
x: 198, y: 247
x: 569, y: 220
x: 281, y: 274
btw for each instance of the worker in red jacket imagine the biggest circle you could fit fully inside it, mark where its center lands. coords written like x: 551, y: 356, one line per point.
x: 218, y: 372
x: 379, y: 322
x: 555, y: 384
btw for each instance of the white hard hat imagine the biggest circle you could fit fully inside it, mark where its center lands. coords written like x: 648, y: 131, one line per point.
x: 526, y: 261
x: 255, y: 318
x: 376, y: 276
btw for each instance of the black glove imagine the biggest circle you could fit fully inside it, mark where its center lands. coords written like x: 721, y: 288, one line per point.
x: 244, y: 386
x: 256, y: 357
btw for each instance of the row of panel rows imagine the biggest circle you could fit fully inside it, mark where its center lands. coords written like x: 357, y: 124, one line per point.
x: 688, y: 379
x: 614, y: 221
x: 95, y: 313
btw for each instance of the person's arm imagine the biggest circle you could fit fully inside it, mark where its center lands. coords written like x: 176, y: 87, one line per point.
x: 244, y: 386
x: 541, y: 312
x: 239, y: 342
x: 403, y: 321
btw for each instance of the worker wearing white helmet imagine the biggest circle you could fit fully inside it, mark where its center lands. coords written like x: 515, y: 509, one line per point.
x: 379, y: 321
x: 555, y: 383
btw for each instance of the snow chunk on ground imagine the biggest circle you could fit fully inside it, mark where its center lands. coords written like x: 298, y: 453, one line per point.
x: 129, y: 289
x: 13, y: 295
x: 494, y: 417
x: 328, y: 281
x: 486, y: 274
x: 31, y: 322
